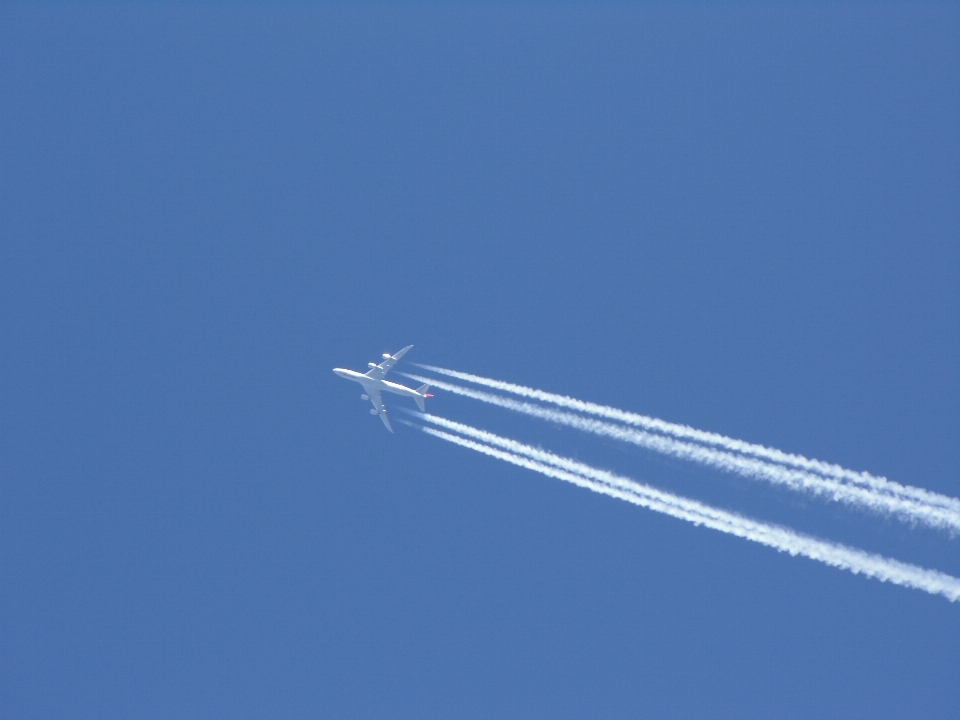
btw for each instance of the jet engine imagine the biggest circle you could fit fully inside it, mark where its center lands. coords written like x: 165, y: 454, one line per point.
x: 386, y: 356
x: 371, y: 365
x: 364, y: 397
x: 373, y: 411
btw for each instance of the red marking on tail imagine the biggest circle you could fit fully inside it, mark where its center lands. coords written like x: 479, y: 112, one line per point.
x: 428, y: 394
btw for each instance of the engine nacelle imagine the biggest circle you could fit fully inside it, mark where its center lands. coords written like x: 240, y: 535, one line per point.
x: 386, y: 356
x: 364, y: 397
x: 373, y: 411
x: 371, y: 365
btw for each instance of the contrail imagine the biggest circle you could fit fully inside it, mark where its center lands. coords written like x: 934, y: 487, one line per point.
x: 905, y: 508
x: 779, y: 538
x: 863, y: 479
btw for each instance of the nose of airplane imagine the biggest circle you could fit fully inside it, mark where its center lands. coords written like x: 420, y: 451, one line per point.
x: 339, y: 371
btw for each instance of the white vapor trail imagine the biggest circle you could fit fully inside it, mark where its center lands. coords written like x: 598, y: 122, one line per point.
x: 779, y: 538
x: 879, y: 484
x: 903, y: 507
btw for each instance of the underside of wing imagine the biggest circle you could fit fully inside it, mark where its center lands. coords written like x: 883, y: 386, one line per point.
x: 380, y: 371
x: 374, y: 395
x: 378, y: 408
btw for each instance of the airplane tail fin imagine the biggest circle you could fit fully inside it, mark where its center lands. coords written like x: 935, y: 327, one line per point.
x: 422, y: 395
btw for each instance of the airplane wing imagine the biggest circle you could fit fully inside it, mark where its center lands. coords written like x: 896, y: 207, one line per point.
x: 381, y: 370
x: 374, y: 395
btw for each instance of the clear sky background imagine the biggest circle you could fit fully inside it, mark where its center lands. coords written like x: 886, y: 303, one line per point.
x: 743, y: 218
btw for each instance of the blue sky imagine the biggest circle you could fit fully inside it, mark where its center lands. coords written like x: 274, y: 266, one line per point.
x: 741, y: 218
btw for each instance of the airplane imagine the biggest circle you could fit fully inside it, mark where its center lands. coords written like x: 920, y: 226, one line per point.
x: 373, y: 383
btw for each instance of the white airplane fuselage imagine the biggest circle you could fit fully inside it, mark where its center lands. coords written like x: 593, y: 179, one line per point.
x: 369, y: 383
